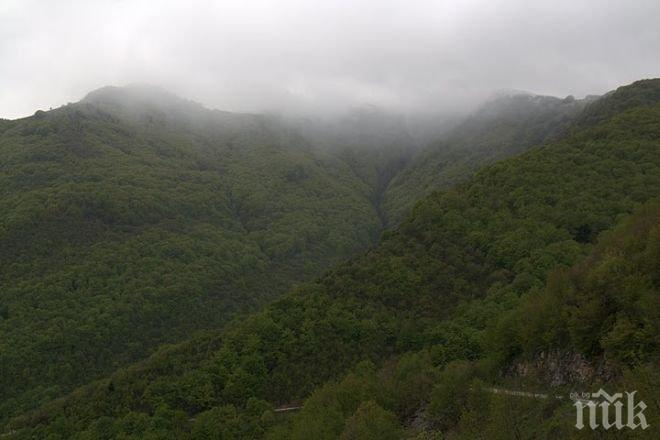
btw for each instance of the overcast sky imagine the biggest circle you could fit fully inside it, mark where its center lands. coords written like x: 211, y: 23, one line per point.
x: 254, y: 55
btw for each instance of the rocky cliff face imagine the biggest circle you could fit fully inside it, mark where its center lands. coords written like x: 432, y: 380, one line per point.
x: 561, y: 367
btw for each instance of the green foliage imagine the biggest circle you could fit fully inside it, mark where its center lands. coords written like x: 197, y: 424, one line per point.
x: 506, y: 126
x: 457, y: 402
x: 134, y: 218
x: 371, y: 422
x: 448, y: 396
x: 434, y: 311
x: 226, y: 422
x: 606, y: 306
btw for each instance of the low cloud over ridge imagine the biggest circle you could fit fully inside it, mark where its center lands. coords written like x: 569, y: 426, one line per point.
x: 294, y: 55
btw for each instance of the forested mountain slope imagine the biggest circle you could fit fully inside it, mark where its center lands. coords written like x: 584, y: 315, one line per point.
x: 592, y: 326
x: 444, y: 287
x: 506, y: 125
x: 375, y: 144
x: 135, y: 218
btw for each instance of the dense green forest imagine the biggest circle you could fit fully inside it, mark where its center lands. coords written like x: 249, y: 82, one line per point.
x: 135, y: 218
x: 506, y: 125
x: 549, y: 258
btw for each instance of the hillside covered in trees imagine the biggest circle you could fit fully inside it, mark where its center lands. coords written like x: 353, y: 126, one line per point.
x: 135, y: 218
x: 504, y: 126
x: 547, y: 258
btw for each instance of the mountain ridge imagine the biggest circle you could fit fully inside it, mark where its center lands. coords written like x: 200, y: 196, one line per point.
x: 430, y: 293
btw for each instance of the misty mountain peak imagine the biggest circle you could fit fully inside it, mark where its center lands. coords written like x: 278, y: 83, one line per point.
x: 140, y: 96
x: 148, y: 104
x: 507, y: 104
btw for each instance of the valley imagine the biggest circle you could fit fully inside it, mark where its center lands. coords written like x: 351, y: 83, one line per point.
x: 169, y: 271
